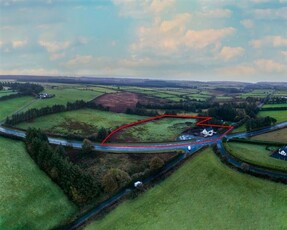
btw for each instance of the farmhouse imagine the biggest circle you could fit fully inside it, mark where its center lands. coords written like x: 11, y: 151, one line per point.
x: 45, y: 95
x: 208, y: 132
x: 281, y: 153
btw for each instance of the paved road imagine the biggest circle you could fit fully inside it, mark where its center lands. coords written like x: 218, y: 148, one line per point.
x: 252, y: 168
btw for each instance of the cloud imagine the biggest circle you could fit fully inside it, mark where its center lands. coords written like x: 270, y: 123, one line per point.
x: 273, y: 41
x: 174, y: 35
x: 138, y: 9
x: 284, y: 53
x: 228, y: 53
x: 19, y: 43
x: 56, y: 56
x: 247, y: 23
x: 36, y: 71
x: 216, y: 13
x: 271, y: 14
x: 79, y: 60
x: 270, y: 66
x: 54, y: 46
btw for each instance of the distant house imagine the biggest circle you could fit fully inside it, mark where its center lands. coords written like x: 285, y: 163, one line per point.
x: 6, y: 88
x: 280, y: 153
x: 45, y: 95
x: 208, y: 132
x: 283, y: 151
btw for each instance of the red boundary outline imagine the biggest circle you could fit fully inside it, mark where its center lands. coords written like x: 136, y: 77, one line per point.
x: 199, y: 123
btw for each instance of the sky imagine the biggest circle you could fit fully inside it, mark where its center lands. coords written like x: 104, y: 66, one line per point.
x: 202, y: 40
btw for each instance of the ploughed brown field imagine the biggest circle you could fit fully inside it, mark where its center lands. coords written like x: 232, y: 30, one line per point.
x: 119, y: 102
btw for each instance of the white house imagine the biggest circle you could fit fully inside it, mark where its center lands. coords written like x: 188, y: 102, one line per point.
x: 208, y: 132
x: 283, y: 151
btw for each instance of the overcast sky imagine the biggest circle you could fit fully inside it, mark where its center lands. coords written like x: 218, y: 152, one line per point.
x: 203, y: 40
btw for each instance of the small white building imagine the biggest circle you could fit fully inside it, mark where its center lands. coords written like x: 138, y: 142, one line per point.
x: 138, y: 184
x: 283, y: 151
x: 208, y: 132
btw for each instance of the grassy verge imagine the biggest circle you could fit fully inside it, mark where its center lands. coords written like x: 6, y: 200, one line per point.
x: 29, y: 199
x: 203, y: 194
x: 255, y: 154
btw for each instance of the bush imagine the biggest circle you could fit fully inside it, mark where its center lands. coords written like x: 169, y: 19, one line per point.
x: 115, y: 179
x: 156, y: 163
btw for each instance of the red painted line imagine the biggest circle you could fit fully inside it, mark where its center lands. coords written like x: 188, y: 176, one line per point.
x: 200, y: 123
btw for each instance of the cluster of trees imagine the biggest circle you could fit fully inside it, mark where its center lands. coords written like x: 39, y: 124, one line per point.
x: 223, y: 112
x: 189, y: 106
x: 256, y: 123
x: 34, y: 113
x: 78, y: 184
x: 23, y: 88
x: 142, y: 112
x: 277, y: 100
x: 229, y: 90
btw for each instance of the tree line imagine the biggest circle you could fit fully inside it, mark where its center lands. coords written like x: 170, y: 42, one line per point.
x: 260, y: 122
x: 22, y: 89
x: 34, y: 113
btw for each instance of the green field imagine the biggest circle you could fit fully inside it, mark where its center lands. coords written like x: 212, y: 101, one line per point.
x: 274, y: 105
x: 64, y: 95
x: 83, y: 122
x: 276, y: 136
x: 6, y: 93
x: 203, y: 194
x: 8, y: 107
x: 166, y: 129
x: 280, y: 116
x: 29, y: 199
x: 255, y: 154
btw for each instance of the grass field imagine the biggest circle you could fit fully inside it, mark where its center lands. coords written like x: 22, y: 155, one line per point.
x: 83, y: 122
x: 277, y: 136
x: 166, y: 129
x: 255, y: 154
x: 8, y: 107
x: 203, y: 194
x: 28, y: 198
x: 64, y: 95
x: 274, y: 105
x: 280, y: 116
x: 6, y: 92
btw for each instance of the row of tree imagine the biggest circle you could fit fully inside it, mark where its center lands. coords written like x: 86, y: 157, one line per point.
x: 34, y: 113
x: 277, y: 100
x: 257, y: 123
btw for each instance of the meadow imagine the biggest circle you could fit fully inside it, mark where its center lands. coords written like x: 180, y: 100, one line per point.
x: 64, y: 95
x: 6, y: 93
x: 276, y: 136
x: 8, y: 107
x: 280, y: 116
x: 203, y: 194
x: 82, y: 122
x: 256, y: 154
x: 274, y: 105
x: 29, y: 199
x: 162, y: 130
